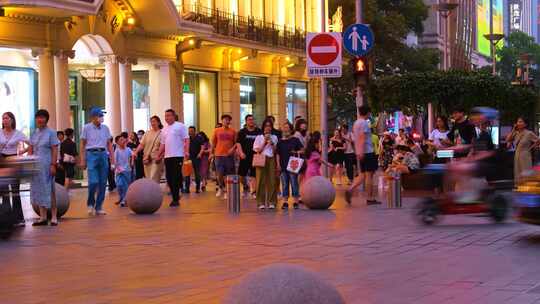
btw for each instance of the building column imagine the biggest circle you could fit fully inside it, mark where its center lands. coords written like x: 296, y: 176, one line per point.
x: 230, y: 96
x: 61, y: 79
x: 113, y: 118
x: 46, y: 87
x: 278, y: 90
x: 165, y: 80
x: 126, y: 93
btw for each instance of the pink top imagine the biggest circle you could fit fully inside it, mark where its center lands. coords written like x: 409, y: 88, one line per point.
x: 313, y: 165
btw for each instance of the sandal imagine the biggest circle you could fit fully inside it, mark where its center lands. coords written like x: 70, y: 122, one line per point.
x: 40, y: 223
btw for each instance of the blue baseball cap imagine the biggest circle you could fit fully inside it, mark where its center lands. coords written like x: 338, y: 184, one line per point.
x: 95, y: 111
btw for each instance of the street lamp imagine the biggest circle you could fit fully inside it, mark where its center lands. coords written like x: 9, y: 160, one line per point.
x: 494, y: 39
x: 445, y: 9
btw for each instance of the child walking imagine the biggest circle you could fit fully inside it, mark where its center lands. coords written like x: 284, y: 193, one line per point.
x: 123, y: 171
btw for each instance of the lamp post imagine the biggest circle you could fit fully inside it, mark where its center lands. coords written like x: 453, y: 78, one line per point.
x: 445, y: 10
x: 494, y: 39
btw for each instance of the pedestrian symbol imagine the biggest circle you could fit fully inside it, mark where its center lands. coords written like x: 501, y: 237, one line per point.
x: 358, y: 39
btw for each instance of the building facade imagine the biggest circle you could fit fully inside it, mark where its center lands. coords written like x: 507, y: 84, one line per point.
x: 138, y: 58
x: 522, y: 16
x: 456, y: 33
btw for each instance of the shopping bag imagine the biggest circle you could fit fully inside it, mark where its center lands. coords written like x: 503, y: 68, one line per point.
x: 187, y: 168
x: 259, y: 160
x: 295, y: 164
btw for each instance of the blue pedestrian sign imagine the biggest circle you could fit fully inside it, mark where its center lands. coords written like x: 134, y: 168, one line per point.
x: 358, y: 39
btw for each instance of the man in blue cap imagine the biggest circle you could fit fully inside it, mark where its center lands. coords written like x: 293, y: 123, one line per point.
x: 96, y: 152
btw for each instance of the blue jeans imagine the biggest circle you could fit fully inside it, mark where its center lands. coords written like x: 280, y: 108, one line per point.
x: 123, y: 180
x: 288, y: 178
x: 97, y: 163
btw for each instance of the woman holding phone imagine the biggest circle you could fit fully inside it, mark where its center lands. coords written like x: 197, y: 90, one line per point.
x: 523, y: 141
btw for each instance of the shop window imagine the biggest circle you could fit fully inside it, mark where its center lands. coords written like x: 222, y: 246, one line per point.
x: 200, y: 100
x: 141, y: 101
x: 252, y: 98
x: 296, y: 100
x: 17, y: 96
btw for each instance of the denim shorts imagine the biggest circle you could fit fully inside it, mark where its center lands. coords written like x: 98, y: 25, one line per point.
x: 224, y: 165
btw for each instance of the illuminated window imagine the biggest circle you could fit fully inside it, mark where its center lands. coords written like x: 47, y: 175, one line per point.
x: 296, y: 99
x: 252, y: 98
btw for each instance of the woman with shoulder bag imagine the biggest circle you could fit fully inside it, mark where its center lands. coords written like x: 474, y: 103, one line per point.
x: 264, y: 162
x: 10, y: 141
x: 150, y: 143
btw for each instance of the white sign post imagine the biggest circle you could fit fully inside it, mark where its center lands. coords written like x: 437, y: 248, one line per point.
x: 323, y: 52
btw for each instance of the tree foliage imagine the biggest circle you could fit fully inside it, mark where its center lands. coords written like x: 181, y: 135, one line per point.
x: 448, y: 90
x: 391, y: 22
x: 517, y: 44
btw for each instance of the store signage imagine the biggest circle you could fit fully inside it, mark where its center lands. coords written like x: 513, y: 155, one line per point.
x: 323, y: 52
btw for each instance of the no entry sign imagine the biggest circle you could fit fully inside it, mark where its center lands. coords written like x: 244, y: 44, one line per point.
x: 323, y: 52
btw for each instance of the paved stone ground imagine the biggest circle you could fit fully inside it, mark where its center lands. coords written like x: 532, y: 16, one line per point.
x: 193, y: 254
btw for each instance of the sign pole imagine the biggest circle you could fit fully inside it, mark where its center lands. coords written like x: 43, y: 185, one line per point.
x: 359, y: 91
x: 324, y: 109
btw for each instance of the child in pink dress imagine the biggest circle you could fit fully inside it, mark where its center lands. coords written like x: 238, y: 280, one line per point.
x: 313, y: 158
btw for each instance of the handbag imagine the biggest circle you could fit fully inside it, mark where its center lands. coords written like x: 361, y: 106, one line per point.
x: 295, y: 164
x: 187, y: 168
x: 259, y: 160
x: 153, y: 154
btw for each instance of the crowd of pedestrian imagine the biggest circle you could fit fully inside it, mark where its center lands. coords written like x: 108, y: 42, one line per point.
x: 272, y: 162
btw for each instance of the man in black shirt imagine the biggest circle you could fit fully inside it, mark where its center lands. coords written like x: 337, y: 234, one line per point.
x: 463, y: 131
x: 195, y: 145
x: 244, y: 143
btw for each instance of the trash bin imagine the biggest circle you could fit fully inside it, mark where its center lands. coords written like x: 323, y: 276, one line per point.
x: 393, y: 196
x: 233, y: 193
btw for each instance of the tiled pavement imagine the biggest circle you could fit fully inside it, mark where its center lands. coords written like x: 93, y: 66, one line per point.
x: 193, y: 254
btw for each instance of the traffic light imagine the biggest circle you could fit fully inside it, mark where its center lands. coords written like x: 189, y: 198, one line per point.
x: 360, y: 66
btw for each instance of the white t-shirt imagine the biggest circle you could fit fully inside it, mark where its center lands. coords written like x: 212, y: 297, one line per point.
x: 437, y: 136
x: 362, y: 126
x: 10, y: 144
x: 259, y: 144
x: 173, y: 137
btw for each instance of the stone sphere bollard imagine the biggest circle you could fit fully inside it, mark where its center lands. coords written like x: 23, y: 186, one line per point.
x: 144, y: 196
x: 318, y: 193
x: 62, y: 201
x: 283, y: 284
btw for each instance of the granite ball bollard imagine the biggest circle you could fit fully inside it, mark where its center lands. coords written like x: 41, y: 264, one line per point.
x: 318, y: 193
x: 283, y: 284
x: 62, y: 201
x: 144, y: 196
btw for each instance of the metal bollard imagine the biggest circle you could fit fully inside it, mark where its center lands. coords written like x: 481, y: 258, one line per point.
x: 394, y: 191
x: 233, y: 193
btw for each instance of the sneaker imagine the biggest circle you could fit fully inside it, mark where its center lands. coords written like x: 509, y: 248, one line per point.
x: 219, y: 193
x: 262, y: 207
x: 372, y: 202
x: 285, y: 206
x: 20, y: 224
x: 174, y: 204
x: 348, y: 196
x: 296, y: 206
x: 101, y: 212
x: 123, y: 204
x: 271, y: 206
x: 91, y: 211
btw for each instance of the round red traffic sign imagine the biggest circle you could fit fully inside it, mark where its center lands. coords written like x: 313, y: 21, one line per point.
x: 323, y: 49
